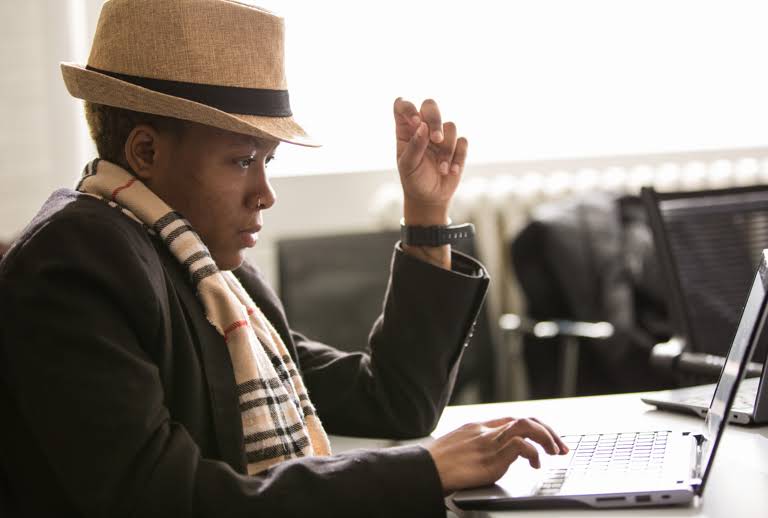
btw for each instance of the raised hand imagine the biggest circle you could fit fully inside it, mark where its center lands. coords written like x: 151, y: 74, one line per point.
x: 430, y: 160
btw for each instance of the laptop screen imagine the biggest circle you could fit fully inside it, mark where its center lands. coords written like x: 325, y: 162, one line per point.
x: 742, y: 347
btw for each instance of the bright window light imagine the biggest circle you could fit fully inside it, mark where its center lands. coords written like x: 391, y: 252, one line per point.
x: 532, y: 79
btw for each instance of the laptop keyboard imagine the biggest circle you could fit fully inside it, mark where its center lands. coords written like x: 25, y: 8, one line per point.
x: 606, y: 454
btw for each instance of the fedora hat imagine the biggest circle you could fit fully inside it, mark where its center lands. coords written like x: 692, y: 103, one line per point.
x: 215, y: 62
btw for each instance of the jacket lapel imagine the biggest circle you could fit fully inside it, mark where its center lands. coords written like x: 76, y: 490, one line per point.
x: 217, y: 365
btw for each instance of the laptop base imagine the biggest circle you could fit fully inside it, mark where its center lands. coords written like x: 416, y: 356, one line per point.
x: 639, y: 499
x: 695, y: 401
x: 634, y: 469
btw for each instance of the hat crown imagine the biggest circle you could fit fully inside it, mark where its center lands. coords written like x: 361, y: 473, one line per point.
x: 214, y: 42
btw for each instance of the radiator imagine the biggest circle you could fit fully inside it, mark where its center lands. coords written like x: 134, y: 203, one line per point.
x: 498, y: 198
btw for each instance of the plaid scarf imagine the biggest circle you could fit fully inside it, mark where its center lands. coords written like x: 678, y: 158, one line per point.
x: 279, y: 421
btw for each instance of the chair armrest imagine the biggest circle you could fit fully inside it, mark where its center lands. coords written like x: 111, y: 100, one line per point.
x: 511, y: 322
x: 712, y: 364
x: 568, y: 331
x: 671, y: 355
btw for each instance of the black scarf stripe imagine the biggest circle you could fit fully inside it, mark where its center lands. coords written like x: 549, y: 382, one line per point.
x: 295, y: 446
x: 254, y: 385
x: 282, y: 372
x: 263, y: 401
x: 202, y: 273
x: 175, y: 233
x: 272, y: 434
x: 196, y: 257
x: 278, y: 421
x: 280, y: 366
x: 89, y: 170
x: 273, y: 452
x: 166, y: 220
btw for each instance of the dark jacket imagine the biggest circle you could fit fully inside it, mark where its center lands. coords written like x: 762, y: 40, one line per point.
x: 118, y: 397
x: 591, y: 258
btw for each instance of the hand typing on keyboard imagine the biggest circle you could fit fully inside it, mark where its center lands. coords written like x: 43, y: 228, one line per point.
x: 478, y: 454
x: 608, y: 455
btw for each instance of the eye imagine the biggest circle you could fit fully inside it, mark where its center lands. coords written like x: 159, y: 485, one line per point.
x: 245, y: 163
x: 269, y: 159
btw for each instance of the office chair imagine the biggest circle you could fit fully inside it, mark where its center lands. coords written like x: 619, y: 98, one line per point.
x: 709, y: 244
x: 332, y: 288
x: 594, y: 305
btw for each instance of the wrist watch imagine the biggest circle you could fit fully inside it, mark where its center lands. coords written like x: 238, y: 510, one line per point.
x: 435, y: 235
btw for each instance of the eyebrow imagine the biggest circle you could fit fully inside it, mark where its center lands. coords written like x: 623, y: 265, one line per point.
x: 255, y: 142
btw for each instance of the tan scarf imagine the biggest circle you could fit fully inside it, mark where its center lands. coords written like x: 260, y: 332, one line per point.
x: 279, y: 421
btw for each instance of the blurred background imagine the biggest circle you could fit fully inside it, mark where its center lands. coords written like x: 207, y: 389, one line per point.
x: 570, y: 108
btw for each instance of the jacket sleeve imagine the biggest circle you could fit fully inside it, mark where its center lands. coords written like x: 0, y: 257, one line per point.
x: 86, y: 430
x: 400, y: 387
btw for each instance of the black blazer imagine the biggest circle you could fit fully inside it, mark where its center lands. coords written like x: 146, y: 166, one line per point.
x: 118, y: 397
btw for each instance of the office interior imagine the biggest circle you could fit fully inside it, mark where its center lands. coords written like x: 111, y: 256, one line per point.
x: 570, y: 108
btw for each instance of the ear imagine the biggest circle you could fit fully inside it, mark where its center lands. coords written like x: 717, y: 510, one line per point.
x: 142, y: 150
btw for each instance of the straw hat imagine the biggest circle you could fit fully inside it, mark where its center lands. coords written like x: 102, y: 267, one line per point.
x: 216, y: 62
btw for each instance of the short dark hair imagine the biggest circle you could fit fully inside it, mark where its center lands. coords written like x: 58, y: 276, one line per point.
x: 110, y: 127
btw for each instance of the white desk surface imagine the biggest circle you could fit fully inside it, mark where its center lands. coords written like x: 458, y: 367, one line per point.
x: 737, y: 487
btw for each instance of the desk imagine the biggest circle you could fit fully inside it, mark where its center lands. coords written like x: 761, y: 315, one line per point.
x: 737, y: 488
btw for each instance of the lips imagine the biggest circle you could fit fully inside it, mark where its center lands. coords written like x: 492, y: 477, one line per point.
x: 249, y: 235
x: 248, y: 238
x: 252, y: 230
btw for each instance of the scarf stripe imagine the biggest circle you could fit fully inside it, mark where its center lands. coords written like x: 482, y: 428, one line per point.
x: 279, y: 420
x: 260, y: 436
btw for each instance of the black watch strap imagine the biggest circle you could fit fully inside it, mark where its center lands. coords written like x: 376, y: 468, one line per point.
x: 436, y: 235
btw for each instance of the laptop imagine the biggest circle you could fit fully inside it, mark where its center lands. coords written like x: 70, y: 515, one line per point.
x: 749, y: 407
x: 751, y: 404
x: 634, y: 468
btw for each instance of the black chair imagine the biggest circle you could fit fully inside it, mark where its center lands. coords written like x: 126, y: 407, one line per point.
x: 594, y: 303
x: 709, y: 244
x: 332, y: 288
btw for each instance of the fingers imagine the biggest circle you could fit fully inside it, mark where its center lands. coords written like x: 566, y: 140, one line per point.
x: 563, y: 448
x: 493, y: 423
x: 446, y: 148
x: 430, y: 113
x: 533, y: 430
x: 449, y: 151
x: 407, y: 118
x: 411, y: 156
x: 459, y: 156
x: 406, y: 111
x: 519, y: 447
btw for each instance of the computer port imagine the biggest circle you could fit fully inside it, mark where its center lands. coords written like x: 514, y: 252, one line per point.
x: 610, y: 499
x: 643, y: 498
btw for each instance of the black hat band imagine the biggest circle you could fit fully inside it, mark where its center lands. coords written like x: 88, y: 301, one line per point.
x: 231, y: 99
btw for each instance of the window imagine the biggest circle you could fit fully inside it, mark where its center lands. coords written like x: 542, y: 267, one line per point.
x: 530, y: 79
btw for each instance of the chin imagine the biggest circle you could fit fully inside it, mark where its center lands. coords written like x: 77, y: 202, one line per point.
x: 230, y: 262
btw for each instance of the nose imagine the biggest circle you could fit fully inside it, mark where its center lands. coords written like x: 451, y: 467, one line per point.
x: 260, y: 195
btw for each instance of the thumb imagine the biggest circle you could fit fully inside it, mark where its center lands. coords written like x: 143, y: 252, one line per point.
x: 413, y: 153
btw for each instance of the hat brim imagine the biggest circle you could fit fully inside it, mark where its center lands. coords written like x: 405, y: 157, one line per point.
x: 103, y: 89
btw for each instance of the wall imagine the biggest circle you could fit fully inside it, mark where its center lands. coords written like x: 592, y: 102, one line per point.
x: 41, y: 127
